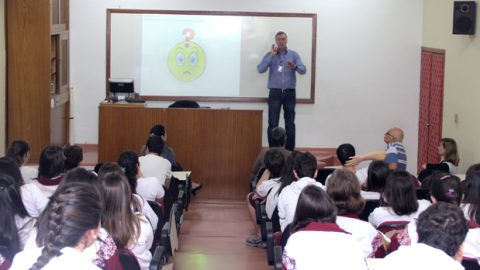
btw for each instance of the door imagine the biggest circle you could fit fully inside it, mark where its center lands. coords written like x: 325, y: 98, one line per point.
x: 60, y: 95
x: 431, y: 105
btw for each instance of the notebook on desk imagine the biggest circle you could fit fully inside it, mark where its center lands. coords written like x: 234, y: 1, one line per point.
x: 183, y: 175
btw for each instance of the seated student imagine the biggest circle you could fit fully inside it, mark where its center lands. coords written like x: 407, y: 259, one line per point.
x: 447, y: 150
x: 471, y: 172
x: 344, y: 153
x: 278, y: 136
x: 103, y: 253
x: 154, y: 165
x: 68, y: 226
x: 471, y: 206
x: 20, y: 152
x: 316, y: 241
x: 73, y: 156
x: 377, y: 175
x: 441, y: 230
x: 167, y: 152
x: 16, y: 224
x: 33, y: 199
x: 139, y: 204
x: 444, y: 187
x: 305, y: 172
x: 149, y: 188
x: 51, y: 169
x: 267, y: 190
x: 401, y: 199
x: 344, y: 189
x: 129, y: 229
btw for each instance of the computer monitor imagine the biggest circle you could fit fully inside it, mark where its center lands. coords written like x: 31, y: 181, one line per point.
x: 122, y: 87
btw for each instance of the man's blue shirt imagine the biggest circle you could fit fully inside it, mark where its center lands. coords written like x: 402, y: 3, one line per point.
x: 280, y: 75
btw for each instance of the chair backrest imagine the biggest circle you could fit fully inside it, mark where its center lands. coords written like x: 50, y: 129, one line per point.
x: 184, y: 104
x: 322, y: 174
x: 388, y: 226
x: 161, y: 221
x: 128, y: 259
x: 165, y: 238
x: 158, y: 258
x: 275, y: 220
x: 370, y: 205
x: 470, y: 264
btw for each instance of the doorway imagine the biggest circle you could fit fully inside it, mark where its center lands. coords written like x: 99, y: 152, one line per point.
x: 431, y: 105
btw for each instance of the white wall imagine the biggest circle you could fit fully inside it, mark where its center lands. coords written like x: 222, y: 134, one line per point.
x: 461, y: 86
x: 368, y: 66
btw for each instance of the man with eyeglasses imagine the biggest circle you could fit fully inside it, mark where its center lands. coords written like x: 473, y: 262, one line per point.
x: 394, y: 155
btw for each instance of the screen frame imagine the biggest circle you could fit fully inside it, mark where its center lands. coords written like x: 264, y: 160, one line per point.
x: 312, y: 62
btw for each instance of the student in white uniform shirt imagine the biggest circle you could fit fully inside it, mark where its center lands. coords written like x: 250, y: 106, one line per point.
x: 444, y: 187
x: 344, y: 153
x: 69, y: 224
x: 317, y: 242
x: 441, y: 230
x: 266, y: 189
x: 305, y: 171
x: 344, y: 189
x: 103, y: 253
x: 139, y: 204
x: 16, y: 223
x: 129, y: 229
x: 153, y: 164
x: 377, y: 175
x: 149, y: 188
x: 51, y: 169
x: 471, y: 209
x: 401, y: 199
x: 19, y: 151
x: 33, y: 199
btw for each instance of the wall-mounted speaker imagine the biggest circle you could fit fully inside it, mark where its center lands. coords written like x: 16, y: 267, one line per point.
x: 464, y: 16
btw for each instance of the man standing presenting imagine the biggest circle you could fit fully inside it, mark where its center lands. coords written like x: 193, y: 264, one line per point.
x: 282, y: 64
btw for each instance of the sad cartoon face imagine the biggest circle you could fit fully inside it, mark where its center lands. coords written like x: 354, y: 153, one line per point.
x: 186, y: 61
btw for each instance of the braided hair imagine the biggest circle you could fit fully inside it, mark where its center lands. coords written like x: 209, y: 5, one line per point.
x: 72, y: 210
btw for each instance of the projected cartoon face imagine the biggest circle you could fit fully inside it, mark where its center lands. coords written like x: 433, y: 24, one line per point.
x: 186, y: 61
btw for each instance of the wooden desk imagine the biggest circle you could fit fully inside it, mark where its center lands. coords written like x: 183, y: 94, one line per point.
x: 218, y: 146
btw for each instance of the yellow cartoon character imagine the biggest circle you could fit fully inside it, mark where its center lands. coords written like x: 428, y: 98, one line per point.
x: 186, y: 60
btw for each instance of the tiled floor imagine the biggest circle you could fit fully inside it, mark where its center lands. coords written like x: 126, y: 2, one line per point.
x: 213, y: 237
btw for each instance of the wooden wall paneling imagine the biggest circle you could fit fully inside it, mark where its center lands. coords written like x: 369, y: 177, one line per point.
x: 110, y: 138
x: 247, y: 152
x: 28, y: 72
x: 138, y: 122
x: 218, y: 146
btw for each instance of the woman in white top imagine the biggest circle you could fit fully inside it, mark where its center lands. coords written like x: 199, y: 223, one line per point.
x: 51, y: 169
x: 150, y: 188
x: 69, y: 224
x: 19, y: 151
x: 344, y: 189
x: 448, y: 152
x: 33, y: 199
x: 129, y: 229
x: 471, y: 209
x: 378, y: 172
x: 444, y: 187
x: 317, y: 242
x: 401, y: 199
x: 15, y: 223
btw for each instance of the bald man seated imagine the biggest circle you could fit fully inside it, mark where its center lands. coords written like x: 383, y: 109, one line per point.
x: 394, y: 155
